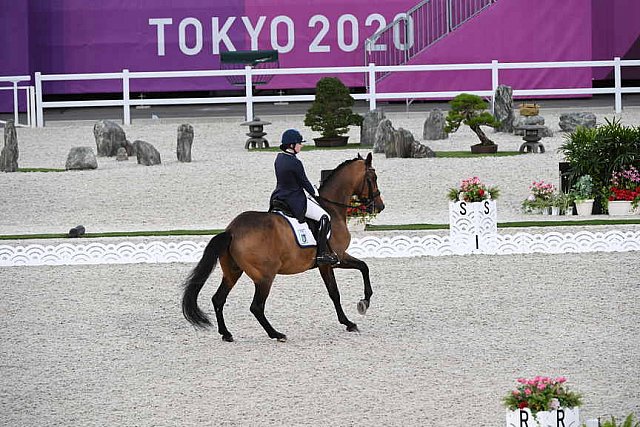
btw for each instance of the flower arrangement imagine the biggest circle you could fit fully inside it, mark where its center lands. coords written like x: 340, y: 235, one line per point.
x: 625, y: 185
x: 473, y: 190
x: 542, y: 394
x: 542, y: 195
x: 583, y: 188
x: 358, y: 211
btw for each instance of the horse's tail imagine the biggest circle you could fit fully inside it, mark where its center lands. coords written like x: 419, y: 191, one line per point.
x: 217, y: 246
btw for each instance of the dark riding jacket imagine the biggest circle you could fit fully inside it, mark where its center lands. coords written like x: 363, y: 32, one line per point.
x: 291, y: 180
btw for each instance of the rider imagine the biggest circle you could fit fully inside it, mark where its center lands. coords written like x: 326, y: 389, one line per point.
x: 291, y: 181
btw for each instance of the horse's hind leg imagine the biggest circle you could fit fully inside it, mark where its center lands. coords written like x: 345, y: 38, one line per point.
x: 332, y: 287
x: 263, y: 287
x: 230, y: 275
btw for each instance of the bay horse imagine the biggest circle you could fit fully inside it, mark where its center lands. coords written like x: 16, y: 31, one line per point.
x: 262, y: 245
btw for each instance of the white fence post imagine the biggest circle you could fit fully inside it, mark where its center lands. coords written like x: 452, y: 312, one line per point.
x: 126, y: 98
x: 39, y: 113
x: 16, y: 114
x: 495, y: 82
x: 372, y: 86
x: 248, y: 91
x: 617, y: 73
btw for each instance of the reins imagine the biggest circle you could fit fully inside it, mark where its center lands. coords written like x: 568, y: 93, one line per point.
x: 366, y: 201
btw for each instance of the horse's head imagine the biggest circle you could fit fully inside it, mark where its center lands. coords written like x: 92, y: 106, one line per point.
x: 368, y: 192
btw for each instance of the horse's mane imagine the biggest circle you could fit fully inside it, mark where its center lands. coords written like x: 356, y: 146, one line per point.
x: 340, y: 166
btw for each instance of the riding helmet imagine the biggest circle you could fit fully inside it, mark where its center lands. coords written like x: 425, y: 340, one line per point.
x: 290, y: 137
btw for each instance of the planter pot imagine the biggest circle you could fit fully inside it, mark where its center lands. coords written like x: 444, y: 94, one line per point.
x: 555, y: 210
x: 620, y: 207
x: 562, y: 417
x: 334, y: 141
x: 584, y: 207
x: 484, y: 149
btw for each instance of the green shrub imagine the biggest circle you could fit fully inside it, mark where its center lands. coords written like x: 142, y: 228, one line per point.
x: 630, y: 421
x: 600, y: 151
x: 331, y: 114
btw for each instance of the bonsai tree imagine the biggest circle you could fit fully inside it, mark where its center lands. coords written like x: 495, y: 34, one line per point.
x: 331, y: 114
x: 470, y: 110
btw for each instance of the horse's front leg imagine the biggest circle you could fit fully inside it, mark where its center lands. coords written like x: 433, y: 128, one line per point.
x: 350, y: 262
x: 332, y: 287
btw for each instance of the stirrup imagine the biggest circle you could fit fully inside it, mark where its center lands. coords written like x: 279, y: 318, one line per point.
x: 327, y: 258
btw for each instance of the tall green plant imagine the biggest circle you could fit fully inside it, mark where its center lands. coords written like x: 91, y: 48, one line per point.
x: 600, y: 151
x: 470, y: 110
x: 331, y: 114
x: 630, y: 421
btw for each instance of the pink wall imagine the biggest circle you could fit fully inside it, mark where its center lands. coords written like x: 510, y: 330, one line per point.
x: 509, y: 31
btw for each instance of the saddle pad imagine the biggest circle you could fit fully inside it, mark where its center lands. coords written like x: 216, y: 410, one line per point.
x: 303, y: 234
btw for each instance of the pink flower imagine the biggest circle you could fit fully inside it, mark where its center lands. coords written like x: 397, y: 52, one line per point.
x: 527, y: 391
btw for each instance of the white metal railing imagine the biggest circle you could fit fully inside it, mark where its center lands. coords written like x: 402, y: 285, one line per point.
x: 423, y: 25
x: 30, y: 95
x: 372, y: 96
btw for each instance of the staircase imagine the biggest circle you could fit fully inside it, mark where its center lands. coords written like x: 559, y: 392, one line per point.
x: 412, y: 32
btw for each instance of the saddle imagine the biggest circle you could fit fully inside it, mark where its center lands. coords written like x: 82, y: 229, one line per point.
x: 278, y: 206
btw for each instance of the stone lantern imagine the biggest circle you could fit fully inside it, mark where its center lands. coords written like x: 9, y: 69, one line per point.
x: 256, y: 134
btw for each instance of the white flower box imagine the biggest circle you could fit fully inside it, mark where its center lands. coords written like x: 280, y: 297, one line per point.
x: 473, y: 227
x: 562, y: 417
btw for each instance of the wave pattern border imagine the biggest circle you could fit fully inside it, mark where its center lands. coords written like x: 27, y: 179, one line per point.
x: 401, y: 246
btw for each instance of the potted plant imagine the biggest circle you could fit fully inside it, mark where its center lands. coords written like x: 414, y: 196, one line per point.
x: 540, y: 199
x: 471, y: 110
x: 473, y: 218
x: 629, y: 421
x: 599, y: 152
x: 331, y: 114
x: 542, y: 401
x: 624, y: 191
x: 358, y: 214
x: 582, y: 193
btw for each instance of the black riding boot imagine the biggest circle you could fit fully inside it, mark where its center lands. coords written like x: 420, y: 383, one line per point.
x: 324, y: 256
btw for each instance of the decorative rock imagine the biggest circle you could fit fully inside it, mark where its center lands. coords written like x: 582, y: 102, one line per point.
x: 109, y: 137
x: 185, y: 140
x: 122, y: 155
x: 10, y: 153
x: 503, y: 108
x: 407, y: 147
x: 569, y: 122
x: 433, y: 128
x: 129, y: 147
x: 521, y: 121
x: 384, y: 138
x: 370, y: 126
x: 81, y: 158
x: 146, y: 153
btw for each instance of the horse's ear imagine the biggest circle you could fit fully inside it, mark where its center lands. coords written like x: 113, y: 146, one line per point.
x: 368, y: 160
x: 359, y: 157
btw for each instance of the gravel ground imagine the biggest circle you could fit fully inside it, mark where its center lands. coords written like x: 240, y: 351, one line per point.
x: 224, y: 179
x: 444, y: 340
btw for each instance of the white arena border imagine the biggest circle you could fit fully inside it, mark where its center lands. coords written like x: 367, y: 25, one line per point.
x: 368, y: 247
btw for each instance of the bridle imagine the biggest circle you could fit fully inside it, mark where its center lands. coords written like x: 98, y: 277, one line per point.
x: 369, y: 201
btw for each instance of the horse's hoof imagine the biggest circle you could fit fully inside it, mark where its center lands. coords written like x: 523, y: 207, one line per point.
x: 227, y: 338
x: 282, y: 339
x: 363, y: 305
x: 353, y: 328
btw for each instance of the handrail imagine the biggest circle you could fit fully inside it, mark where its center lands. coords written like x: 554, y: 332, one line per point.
x: 369, y: 71
x: 420, y: 27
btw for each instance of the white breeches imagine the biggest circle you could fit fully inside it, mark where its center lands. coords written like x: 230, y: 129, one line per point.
x: 315, y: 211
